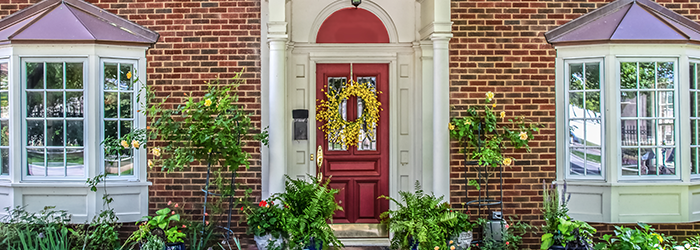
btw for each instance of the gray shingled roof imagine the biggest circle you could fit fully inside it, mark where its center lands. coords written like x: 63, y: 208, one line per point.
x: 627, y: 21
x: 71, y: 21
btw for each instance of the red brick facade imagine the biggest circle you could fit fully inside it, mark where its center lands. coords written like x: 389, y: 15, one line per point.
x: 497, y: 46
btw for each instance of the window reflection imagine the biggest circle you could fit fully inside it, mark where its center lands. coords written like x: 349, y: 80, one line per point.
x: 367, y: 140
x: 585, y: 121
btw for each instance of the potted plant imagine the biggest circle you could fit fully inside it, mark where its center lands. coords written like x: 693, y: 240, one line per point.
x: 159, y: 226
x: 423, y: 221
x: 308, y: 206
x: 265, y: 223
x: 561, y: 232
x: 634, y: 238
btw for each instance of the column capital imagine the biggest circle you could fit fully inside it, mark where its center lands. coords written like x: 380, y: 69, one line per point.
x: 442, y: 36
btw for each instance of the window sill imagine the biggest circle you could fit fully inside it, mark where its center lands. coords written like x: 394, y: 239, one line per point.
x: 631, y: 202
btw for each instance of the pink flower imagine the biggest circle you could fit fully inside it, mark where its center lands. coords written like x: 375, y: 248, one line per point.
x: 207, y: 223
x: 507, y: 243
x: 206, y: 214
x: 173, y: 213
x: 170, y: 202
x: 176, y: 205
x: 183, y: 226
x: 507, y: 226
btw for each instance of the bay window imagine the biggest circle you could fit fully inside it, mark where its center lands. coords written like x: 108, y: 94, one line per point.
x: 119, y: 94
x: 584, y: 119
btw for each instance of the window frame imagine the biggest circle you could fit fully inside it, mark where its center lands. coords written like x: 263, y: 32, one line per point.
x: 136, y: 116
x: 693, y: 60
x: 603, y: 148
x: 8, y: 175
x: 22, y: 146
x: 617, y: 151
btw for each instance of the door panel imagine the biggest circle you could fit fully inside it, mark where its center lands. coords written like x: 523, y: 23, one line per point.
x: 360, y: 171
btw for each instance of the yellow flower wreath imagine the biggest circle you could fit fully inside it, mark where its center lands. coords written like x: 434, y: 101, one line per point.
x: 339, y: 130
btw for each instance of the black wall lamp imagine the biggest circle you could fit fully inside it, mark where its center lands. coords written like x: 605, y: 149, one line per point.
x: 356, y: 2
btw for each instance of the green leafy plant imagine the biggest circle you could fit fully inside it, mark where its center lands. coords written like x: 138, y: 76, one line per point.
x: 153, y: 243
x: 266, y: 218
x: 200, y: 236
x: 692, y: 243
x: 422, y: 219
x: 635, y: 238
x: 20, y: 228
x: 308, y: 206
x: 512, y: 235
x: 559, y: 228
x: 483, y: 140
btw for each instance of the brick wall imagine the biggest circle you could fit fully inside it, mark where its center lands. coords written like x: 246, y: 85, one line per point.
x: 499, y: 46
x: 199, y: 41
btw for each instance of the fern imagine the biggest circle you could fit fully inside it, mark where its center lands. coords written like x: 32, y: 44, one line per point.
x: 424, y: 219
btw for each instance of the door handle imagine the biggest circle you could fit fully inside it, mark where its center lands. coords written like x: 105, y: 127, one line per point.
x: 319, y: 156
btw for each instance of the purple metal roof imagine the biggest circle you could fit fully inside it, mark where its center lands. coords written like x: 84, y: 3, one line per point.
x: 74, y: 21
x: 627, y: 21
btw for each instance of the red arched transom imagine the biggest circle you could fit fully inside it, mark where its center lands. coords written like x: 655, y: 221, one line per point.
x: 352, y: 25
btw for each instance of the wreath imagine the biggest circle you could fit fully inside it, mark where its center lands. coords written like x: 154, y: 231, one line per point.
x: 339, y: 130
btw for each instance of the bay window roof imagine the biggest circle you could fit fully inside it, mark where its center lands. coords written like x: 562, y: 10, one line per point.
x: 637, y: 21
x: 72, y: 21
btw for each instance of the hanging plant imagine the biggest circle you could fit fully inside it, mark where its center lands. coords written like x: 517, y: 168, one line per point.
x: 339, y: 130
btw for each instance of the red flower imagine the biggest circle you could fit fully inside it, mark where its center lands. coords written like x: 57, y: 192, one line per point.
x: 272, y: 203
x: 262, y: 203
x: 507, y: 243
x: 241, y: 208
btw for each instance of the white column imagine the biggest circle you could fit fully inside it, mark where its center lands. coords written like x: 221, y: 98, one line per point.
x: 441, y: 115
x: 278, y: 121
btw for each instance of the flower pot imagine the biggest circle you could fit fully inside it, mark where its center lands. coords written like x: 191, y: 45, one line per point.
x: 175, y: 246
x: 267, y: 241
x: 465, y: 239
x: 312, y: 245
x: 567, y: 248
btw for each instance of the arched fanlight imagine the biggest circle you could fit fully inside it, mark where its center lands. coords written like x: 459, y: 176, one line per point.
x: 356, y: 2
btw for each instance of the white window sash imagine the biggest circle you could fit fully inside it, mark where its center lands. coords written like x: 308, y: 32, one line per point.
x: 567, y: 119
x: 617, y: 121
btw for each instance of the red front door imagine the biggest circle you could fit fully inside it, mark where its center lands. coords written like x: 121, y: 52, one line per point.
x: 360, y: 172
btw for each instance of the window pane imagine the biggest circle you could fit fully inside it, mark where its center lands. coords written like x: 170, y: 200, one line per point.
x: 35, y: 104
x: 125, y: 105
x: 693, y: 104
x: 74, y: 162
x: 648, y: 162
x: 592, y: 105
x: 110, y: 108
x: 35, y: 162
x: 5, y: 133
x: 35, y: 75
x: 666, y: 101
x: 111, y: 129
x: 647, y: 132
x: 127, y: 163
x: 577, y: 161
x: 74, y: 75
x: 54, y: 75
x: 334, y: 85
x: 666, y: 132
x: 693, y: 132
x: 648, y: 104
x: 629, y: 161
x: 647, y: 75
x: 54, y: 132
x: 576, y: 132
x: 628, y: 104
x: 74, y: 133
x: 54, y: 104
x: 367, y: 141
x: 111, y: 164
x: 124, y: 80
x: 576, y: 76
x: 694, y: 160
x: 55, y: 162
x: 594, y: 132
x: 593, y: 161
x: 4, y: 83
x: 74, y: 104
x: 35, y: 133
x: 628, y: 75
x: 576, y: 105
x: 4, y: 105
x: 125, y: 128
x: 628, y: 133
x: 664, y: 73
x: 5, y: 164
x: 111, y: 79
x: 667, y: 164
x: 592, y: 76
